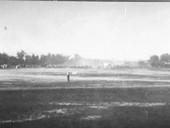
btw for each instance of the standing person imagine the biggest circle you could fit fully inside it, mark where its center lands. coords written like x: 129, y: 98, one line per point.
x: 68, y: 76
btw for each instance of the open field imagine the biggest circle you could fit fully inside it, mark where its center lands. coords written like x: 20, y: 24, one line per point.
x: 120, y: 98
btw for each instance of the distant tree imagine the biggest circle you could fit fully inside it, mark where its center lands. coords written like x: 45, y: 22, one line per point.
x: 154, y: 61
x: 165, y: 57
x: 49, y: 59
x: 21, y: 56
x: 35, y: 59
x: 53, y: 59
x: 77, y: 57
x: 43, y: 60
x: 12, y: 60
x: 3, y: 58
x: 28, y: 60
x: 164, y: 60
x: 60, y: 59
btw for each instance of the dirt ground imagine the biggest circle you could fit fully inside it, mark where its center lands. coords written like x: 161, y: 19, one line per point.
x: 124, y: 98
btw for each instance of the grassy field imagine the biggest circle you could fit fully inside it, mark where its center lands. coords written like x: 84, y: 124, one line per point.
x: 120, y: 98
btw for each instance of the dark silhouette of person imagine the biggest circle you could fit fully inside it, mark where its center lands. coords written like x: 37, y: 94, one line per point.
x: 68, y: 76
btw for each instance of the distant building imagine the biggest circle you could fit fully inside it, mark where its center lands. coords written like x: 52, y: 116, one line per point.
x: 118, y: 64
x: 4, y: 66
x: 18, y: 66
x: 106, y: 65
x: 166, y: 64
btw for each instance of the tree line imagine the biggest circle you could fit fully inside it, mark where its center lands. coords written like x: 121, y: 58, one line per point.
x: 22, y: 58
x: 160, y: 61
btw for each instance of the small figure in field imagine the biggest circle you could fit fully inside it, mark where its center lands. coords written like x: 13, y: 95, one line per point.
x: 68, y: 76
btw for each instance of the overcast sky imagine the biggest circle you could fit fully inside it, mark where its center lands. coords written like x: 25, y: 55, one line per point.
x: 119, y: 31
